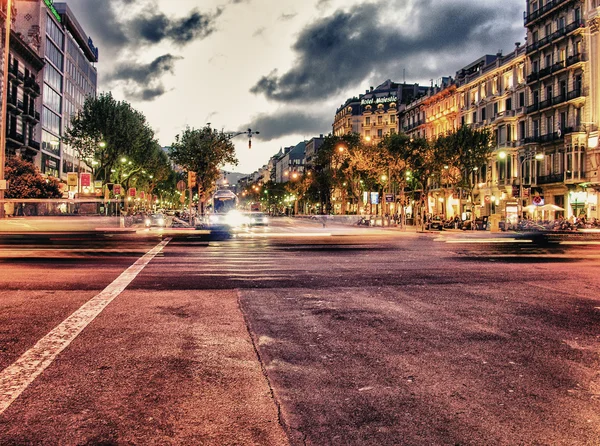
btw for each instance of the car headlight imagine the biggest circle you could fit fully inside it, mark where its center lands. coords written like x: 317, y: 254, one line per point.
x: 148, y: 221
x: 266, y: 220
x: 234, y: 218
x: 161, y: 222
x: 213, y: 218
x: 253, y: 220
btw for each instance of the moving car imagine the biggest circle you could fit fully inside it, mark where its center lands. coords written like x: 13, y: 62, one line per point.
x: 156, y: 220
x: 257, y: 219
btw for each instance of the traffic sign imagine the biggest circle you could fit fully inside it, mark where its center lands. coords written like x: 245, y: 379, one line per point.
x: 117, y: 189
x: 181, y: 185
x: 86, y: 179
x: 132, y: 192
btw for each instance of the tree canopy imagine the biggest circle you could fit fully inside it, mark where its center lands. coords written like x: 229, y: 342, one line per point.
x: 26, y: 181
x: 105, y: 131
x: 204, y: 151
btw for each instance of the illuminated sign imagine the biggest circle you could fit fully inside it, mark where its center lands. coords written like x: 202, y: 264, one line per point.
x: 92, y: 47
x: 379, y: 100
x: 50, y: 5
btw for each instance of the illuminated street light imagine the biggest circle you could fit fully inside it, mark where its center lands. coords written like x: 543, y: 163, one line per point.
x: 502, y: 155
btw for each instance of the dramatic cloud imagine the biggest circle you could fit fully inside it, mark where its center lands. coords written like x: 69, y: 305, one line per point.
x: 158, y: 27
x: 134, y: 26
x: 143, y: 80
x: 281, y: 124
x: 378, y: 41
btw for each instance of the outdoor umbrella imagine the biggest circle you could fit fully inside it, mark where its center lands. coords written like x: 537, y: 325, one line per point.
x: 551, y: 207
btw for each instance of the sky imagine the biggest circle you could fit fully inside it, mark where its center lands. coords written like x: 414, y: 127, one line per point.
x: 280, y: 67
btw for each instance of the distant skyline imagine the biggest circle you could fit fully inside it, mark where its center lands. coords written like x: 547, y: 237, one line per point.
x: 280, y: 67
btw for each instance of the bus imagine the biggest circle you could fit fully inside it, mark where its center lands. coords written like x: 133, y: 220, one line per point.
x: 224, y: 213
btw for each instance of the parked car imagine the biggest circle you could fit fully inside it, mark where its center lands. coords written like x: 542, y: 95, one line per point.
x: 436, y: 223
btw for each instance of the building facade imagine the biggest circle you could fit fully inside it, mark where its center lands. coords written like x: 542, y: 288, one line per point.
x: 69, y: 75
x: 23, y: 104
x: 562, y: 124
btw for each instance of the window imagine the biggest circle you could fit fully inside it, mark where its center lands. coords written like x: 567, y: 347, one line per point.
x: 578, y: 82
x: 54, y: 55
x: 562, y: 85
x: 549, y: 126
x: 474, y: 117
x: 549, y: 92
x: 536, y: 128
x: 54, y: 32
x: 495, y: 108
x: 52, y: 99
x: 548, y: 30
x: 368, y: 121
x: 379, y: 133
x: 522, y: 99
x: 548, y: 60
x: 392, y: 119
x: 536, y: 97
x: 508, y: 104
x: 522, y: 130
x: 563, y: 122
x: 50, y: 120
x: 379, y: 120
x: 483, y: 117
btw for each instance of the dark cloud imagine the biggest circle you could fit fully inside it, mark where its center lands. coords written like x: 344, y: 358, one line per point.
x: 280, y: 124
x: 156, y: 27
x: 144, y: 80
x: 344, y: 49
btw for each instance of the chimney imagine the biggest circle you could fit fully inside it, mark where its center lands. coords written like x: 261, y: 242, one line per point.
x: 371, y: 88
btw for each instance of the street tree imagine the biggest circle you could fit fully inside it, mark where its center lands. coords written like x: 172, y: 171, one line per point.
x: 465, y: 151
x: 106, y: 130
x: 26, y: 181
x: 204, y: 151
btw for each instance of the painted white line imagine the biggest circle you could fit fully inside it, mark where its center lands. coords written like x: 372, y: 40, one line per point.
x: 580, y: 242
x: 16, y: 377
x: 487, y: 240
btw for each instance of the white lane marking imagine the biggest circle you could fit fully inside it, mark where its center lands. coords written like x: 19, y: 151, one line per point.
x: 487, y: 240
x: 17, y: 377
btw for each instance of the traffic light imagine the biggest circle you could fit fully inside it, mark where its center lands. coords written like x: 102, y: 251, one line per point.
x: 192, y: 179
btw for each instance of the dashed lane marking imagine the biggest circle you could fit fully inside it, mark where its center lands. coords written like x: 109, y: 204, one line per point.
x: 17, y: 377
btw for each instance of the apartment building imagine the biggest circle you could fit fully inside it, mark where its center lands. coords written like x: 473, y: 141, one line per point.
x: 562, y: 123
x: 23, y: 92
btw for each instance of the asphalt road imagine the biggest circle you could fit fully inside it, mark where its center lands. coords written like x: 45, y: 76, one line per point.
x: 298, y: 334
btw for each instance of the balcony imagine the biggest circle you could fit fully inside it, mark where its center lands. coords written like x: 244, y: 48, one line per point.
x: 16, y: 137
x: 574, y: 94
x: 542, y: 11
x: 32, y: 86
x: 543, y: 139
x: 533, y: 77
x: 533, y: 108
x: 549, y: 179
x: 546, y: 103
x: 34, y: 145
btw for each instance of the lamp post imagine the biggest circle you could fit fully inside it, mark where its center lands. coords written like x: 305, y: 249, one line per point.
x: 4, y: 98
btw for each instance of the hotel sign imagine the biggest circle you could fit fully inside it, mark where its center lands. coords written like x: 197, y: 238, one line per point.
x: 50, y: 6
x: 93, y: 49
x: 379, y: 100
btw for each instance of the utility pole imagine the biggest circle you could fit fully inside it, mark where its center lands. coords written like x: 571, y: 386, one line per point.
x: 4, y: 98
x: 248, y: 132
